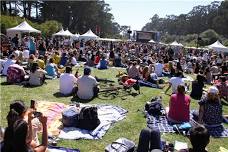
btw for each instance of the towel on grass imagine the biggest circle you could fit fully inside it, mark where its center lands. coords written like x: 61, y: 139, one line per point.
x: 108, y: 114
x: 53, y: 111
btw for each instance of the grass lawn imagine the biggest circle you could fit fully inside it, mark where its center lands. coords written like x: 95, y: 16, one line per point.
x: 130, y: 127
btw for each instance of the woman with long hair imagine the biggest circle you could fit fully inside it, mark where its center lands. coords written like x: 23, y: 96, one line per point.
x: 37, y: 75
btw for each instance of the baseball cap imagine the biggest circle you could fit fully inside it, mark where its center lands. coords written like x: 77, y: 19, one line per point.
x: 213, y: 90
x: 18, y: 106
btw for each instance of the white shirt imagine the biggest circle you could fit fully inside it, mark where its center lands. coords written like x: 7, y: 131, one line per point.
x: 67, y: 82
x: 26, y: 54
x: 86, y: 83
x: 73, y: 61
x: 158, y: 68
x: 6, y: 65
x: 175, y: 81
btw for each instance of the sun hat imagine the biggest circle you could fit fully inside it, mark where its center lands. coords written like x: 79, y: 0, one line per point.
x: 213, y: 90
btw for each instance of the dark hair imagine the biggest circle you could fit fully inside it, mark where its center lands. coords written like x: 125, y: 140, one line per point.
x: 12, y: 56
x: 51, y: 60
x: 34, y: 67
x: 199, y: 138
x: 18, y: 106
x: 12, y: 117
x: 222, y: 78
x: 181, y: 89
x: 179, y: 74
x: 68, y: 69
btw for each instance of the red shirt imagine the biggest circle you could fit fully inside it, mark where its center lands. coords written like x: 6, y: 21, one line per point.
x: 179, y: 107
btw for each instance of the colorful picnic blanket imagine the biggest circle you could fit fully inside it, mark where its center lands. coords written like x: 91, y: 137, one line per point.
x: 108, y: 115
x: 53, y: 111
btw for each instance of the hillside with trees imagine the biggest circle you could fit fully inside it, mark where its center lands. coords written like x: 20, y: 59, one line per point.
x: 201, y: 21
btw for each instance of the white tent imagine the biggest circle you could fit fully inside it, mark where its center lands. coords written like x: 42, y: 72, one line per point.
x: 23, y: 27
x: 176, y: 44
x: 60, y: 33
x: 108, y: 39
x: 76, y: 36
x: 217, y: 46
x: 89, y: 35
x: 152, y: 41
x: 63, y: 33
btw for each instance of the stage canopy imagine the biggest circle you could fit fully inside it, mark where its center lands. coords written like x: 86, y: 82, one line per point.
x: 217, y: 46
x: 23, y: 27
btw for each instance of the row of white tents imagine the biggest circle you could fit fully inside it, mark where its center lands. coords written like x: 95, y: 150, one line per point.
x: 24, y: 27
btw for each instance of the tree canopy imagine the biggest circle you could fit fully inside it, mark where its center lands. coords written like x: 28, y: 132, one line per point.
x: 198, y: 20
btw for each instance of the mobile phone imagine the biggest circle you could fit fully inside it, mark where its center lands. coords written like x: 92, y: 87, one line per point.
x: 32, y: 105
x: 37, y: 114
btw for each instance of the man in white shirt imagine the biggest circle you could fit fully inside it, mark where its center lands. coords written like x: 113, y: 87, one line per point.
x: 87, y: 85
x: 158, y: 68
x: 9, y: 62
x: 175, y: 81
x: 67, y: 81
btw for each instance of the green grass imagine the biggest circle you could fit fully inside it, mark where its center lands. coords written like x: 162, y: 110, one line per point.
x: 130, y: 127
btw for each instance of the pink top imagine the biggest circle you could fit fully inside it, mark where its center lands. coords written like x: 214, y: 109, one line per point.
x: 179, y: 107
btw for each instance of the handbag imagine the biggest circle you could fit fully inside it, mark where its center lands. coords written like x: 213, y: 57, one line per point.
x: 121, y: 145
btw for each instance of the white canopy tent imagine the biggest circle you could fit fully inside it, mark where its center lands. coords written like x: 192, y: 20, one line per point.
x: 76, y: 36
x: 175, y: 43
x: 152, y: 41
x: 108, y: 39
x: 23, y: 27
x: 63, y: 33
x: 217, y: 46
x: 89, y: 35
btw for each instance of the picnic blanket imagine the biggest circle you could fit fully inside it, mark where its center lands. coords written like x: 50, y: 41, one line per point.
x: 161, y: 124
x: 108, y: 114
x: 53, y: 111
x: 61, y: 149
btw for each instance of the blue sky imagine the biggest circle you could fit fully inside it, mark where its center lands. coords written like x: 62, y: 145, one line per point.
x: 136, y: 13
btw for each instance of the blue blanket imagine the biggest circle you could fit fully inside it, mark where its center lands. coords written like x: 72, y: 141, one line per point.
x: 61, y: 149
x: 108, y: 114
x: 161, y: 123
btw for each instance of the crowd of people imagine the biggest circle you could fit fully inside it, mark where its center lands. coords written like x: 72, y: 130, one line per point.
x: 33, y: 60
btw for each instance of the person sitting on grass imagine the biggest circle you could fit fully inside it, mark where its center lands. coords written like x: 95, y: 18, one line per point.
x: 37, y: 75
x: 175, y: 81
x: 15, y: 139
x: 179, y: 106
x: 11, y: 60
x: 103, y: 63
x: 51, y: 69
x: 67, y: 81
x: 197, y: 87
x: 210, y: 111
x: 87, y: 85
x: 199, y: 138
x: 133, y: 71
x: 223, y: 88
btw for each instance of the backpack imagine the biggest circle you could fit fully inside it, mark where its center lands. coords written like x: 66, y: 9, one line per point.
x: 121, y: 145
x: 70, y: 117
x: 154, y: 107
x: 88, y: 118
x: 14, y: 75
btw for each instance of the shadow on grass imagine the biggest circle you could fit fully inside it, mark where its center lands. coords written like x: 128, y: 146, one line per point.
x: 77, y: 99
x: 5, y: 83
x: 60, y: 95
